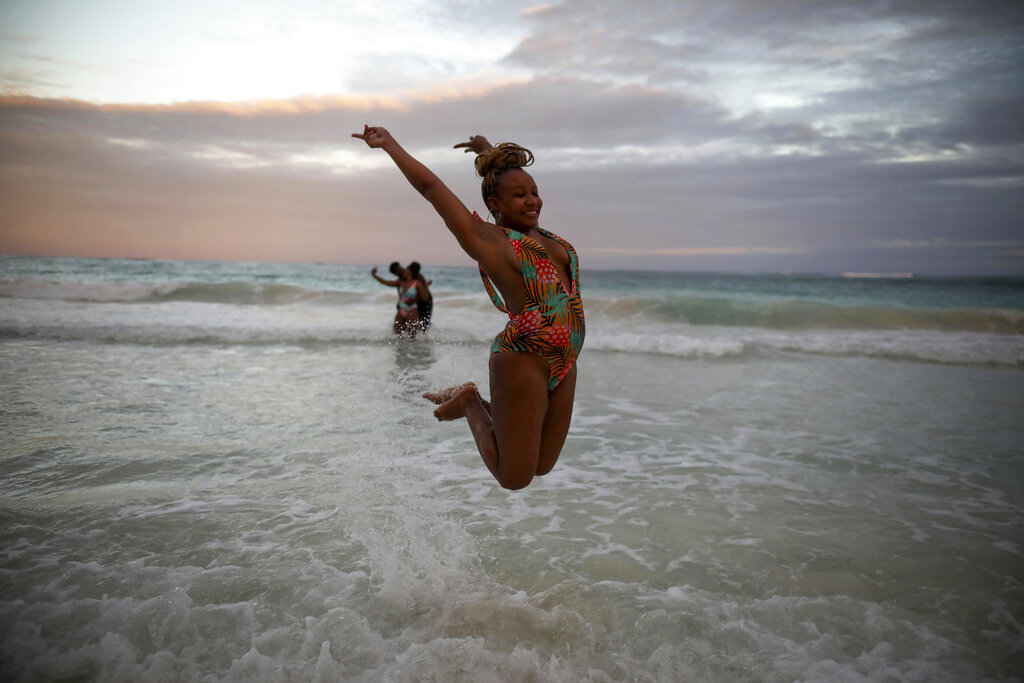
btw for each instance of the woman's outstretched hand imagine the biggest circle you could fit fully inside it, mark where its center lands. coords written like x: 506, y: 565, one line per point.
x: 374, y: 136
x: 477, y: 144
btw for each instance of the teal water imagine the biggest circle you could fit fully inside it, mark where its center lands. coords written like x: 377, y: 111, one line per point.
x: 769, y: 300
x: 915, y: 292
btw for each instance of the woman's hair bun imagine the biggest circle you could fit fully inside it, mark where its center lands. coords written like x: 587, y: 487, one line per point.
x: 493, y: 163
x: 502, y: 157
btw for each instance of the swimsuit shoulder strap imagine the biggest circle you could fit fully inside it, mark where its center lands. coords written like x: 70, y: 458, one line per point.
x: 495, y: 297
x: 512, y: 236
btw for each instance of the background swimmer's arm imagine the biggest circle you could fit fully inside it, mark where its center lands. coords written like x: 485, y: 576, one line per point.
x: 480, y: 240
x: 378, y: 278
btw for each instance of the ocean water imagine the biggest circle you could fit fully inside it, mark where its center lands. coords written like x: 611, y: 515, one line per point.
x: 225, y: 472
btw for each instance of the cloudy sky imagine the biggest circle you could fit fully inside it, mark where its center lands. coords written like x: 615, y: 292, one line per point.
x: 746, y: 135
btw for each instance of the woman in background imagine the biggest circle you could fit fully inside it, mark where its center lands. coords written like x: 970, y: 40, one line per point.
x: 424, y: 299
x: 407, y: 315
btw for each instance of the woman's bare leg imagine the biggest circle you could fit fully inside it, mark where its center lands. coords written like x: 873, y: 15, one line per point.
x: 519, y: 404
x: 522, y: 433
x: 556, y: 422
x: 406, y: 322
x: 465, y: 401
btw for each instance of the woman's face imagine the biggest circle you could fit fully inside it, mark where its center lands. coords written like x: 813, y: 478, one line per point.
x: 517, y: 200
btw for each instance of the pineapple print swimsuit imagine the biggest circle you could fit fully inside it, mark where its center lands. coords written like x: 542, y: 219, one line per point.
x: 551, y: 325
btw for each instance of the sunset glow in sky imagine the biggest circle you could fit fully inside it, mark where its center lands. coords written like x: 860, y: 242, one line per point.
x: 753, y: 135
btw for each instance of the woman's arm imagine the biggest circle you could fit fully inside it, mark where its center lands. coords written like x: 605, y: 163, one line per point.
x: 476, y: 238
x: 477, y: 144
x: 378, y: 278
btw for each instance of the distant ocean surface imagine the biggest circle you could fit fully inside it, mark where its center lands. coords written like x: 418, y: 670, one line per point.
x: 225, y: 472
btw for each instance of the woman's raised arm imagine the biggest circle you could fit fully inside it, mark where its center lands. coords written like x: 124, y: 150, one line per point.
x: 474, y: 236
x: 378, y: 278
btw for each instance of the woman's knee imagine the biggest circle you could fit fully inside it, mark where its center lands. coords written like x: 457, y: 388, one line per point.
x: 516, y: 481
x: 544, y: 467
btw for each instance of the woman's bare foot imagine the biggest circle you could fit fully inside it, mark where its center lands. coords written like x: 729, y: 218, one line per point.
x: 445, y: 395
x: 455, y: 407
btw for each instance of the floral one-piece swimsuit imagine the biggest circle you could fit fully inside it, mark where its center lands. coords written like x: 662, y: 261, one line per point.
x: 551, y: 324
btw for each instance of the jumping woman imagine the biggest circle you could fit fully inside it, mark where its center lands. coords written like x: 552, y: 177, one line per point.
x: 532, y: 366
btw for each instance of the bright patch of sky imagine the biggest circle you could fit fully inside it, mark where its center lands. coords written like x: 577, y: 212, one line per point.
x: 142, y: 52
